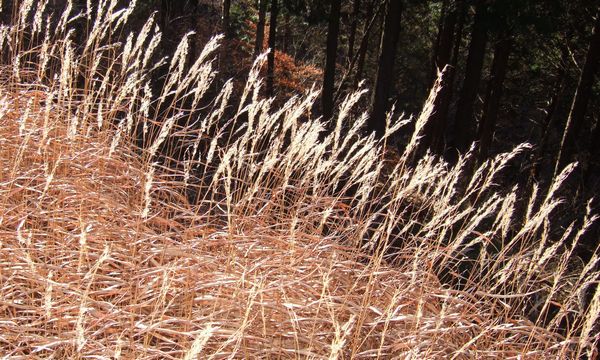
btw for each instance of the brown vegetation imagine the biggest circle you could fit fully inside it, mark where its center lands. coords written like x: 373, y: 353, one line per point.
x: 266, y: 238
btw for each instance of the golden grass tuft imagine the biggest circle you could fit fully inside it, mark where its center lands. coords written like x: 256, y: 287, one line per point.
x: 187, y: 232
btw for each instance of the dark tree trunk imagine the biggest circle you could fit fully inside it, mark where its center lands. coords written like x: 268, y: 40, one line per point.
x: 353, y: 26
x: 461, y: 10
x: 436, y: 45
x: 364, y: 46
x: 360, y: 54
x: 331, y: 56
x: 164, y: 14
x: 433, y: 131
x: 464, y: 120
x: 493, y: 95
x: 225, y: 20
x: 169, y: 11
x: 594, y: 157
x: 436, y: 125
x: 444, y: 48
x: 576, y: 120
x: 556, y: 95
x: 385, y: 68
x: 260, y: 27
x: 194, y: 6
x: 178, y: 8
x: 271, y: 56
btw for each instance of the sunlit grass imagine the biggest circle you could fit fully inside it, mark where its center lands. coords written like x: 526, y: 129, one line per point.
x: 201, y: 232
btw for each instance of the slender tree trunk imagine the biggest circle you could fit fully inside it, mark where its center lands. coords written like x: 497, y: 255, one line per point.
x: 331, y: 56
x: 461, y: 10
x: 271, y: 56
x: 436, y: 44
x: 194, y: 6
x: 557, y: 93
x: 385, y: 68
x: 555, y: 97
x: 434, y: 129
x: 464, y: 120
x: 576, y: 120
x: 164, y: 14
x: 260, y: 27
x: 353, y: 26
x: 225, y: 19
x: 594, y: 155
x: 362, y: 52
x: 493, y: 95
x: 178, y: 8
x: 444, y: 48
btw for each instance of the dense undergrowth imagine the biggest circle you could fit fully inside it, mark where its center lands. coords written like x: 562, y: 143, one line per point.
x: 141, y: 225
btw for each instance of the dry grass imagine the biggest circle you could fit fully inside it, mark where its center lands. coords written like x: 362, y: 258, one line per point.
x: 252, y: 236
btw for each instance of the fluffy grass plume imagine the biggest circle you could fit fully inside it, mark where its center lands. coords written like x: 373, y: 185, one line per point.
x: 153, y: 226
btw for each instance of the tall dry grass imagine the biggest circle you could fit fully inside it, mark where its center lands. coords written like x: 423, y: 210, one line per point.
x: 145, y: 225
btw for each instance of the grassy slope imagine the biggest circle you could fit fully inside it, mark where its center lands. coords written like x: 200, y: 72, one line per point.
x: 102, y: 253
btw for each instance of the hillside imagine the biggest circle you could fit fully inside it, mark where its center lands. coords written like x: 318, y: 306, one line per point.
x: 171, y: 224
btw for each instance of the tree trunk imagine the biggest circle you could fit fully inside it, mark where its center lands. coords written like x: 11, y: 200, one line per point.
x: 260, y: 27
x: 433, y: 132
x: 362, y: 52
x: 576, y: 120
x: 556, y: 95
x: 164, y: 14
x: 178, y: 8
x: 493, y: 95
x: 226, y: 5
x: 594, y: 156
x: 434, y: 129
x: 271, y: 56
x: 331, y: 56
x: 444, y: 14
x: 353, y: 26
x: 444, y: 48
x: 461, y: 11
x: 194, y: 6
x: 464, y: 120
x: 385, y: 68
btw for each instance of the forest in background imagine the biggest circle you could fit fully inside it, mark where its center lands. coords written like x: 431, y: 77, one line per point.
x: 218, y: 163
x: 512, y: 69
x: 511, y: 72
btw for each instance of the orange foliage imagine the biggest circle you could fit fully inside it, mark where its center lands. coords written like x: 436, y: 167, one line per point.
x: 291, y: 76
